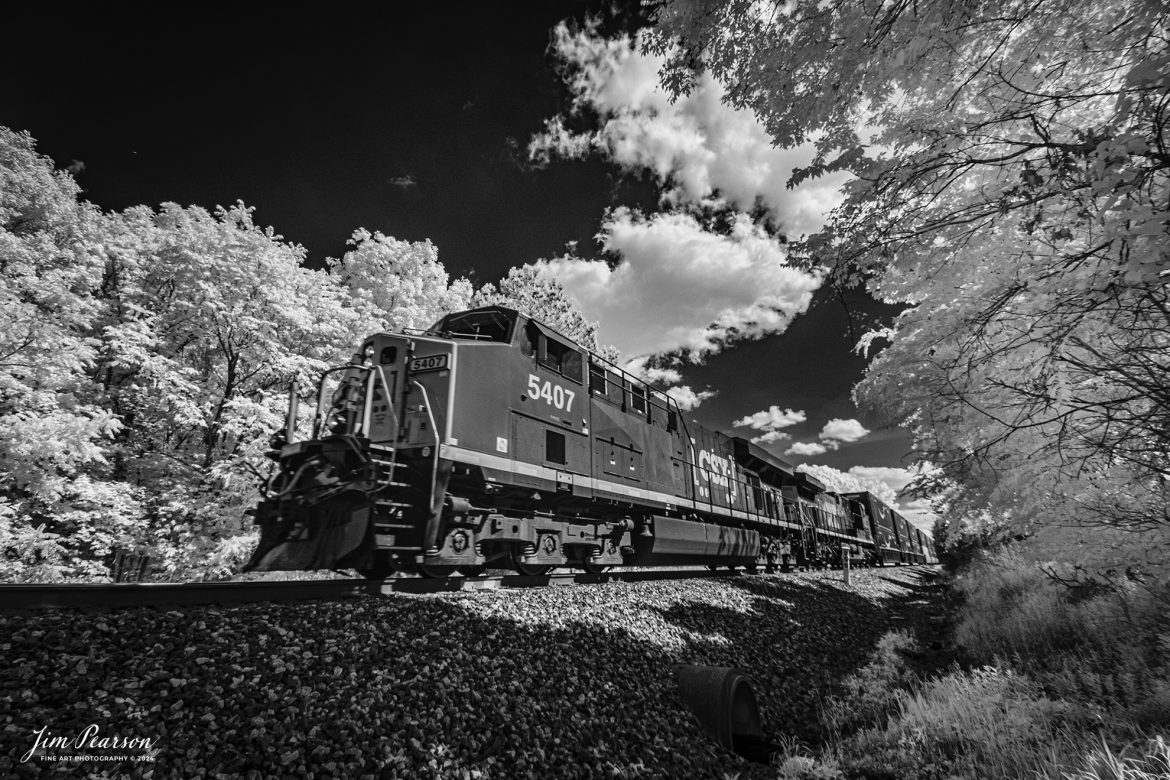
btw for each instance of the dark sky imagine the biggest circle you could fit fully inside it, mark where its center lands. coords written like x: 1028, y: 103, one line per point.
x: 409, y: 123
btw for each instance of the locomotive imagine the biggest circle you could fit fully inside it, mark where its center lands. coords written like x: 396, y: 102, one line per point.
x: 491, y: 439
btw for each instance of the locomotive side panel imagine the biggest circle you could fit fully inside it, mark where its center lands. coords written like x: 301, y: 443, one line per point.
x: 526, y: 410
x: 717, y: 476
x: 619, y: 438
x: 634, y: 447
x: 485, y: 394
x: 902, y: 529
x: 426, y: 411
x: 881, y: 519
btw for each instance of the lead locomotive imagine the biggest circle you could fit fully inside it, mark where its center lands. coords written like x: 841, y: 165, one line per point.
x: 492, y: 439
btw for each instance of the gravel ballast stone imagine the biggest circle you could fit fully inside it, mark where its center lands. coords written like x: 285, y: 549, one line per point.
x: 549, y: 682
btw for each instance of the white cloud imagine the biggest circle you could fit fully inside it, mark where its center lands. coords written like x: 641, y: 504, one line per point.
x: 771, y: 419
x: 688, y: 399
x: 805, y: 448
x: 651, y: 374
x: 896, y: 478
x: 770, y: 437
x: 699, y: 147
x: 681, y: 288
x: 838, y: 430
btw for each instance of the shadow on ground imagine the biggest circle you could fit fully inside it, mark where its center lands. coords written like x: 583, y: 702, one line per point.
x: 562, y: 682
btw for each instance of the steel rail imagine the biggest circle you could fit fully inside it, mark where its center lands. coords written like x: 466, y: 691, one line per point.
x: 99, y: 596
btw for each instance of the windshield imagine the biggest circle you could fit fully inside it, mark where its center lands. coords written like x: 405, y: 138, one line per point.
x: 484, y: 325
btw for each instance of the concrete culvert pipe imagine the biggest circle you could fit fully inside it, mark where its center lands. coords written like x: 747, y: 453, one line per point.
x: 724, y: 701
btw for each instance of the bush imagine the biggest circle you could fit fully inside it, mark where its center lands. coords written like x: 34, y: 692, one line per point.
x: 1067, y: 684
x: 1106, y: 649
x: 986, y: 723
x: 869, y: 696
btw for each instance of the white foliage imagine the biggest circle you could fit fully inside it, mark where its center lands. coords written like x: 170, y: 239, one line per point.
x: 1015, y: 194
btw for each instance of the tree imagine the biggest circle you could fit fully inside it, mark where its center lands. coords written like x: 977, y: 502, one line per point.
x: 541, y: 296
x: 207, y: 319
x: 397, y: 284
x: 144, y: 358
x: 1014, y: 190
x: 51, y: 429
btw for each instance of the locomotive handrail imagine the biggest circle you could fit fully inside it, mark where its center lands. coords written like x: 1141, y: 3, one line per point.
x: 390, y: 403
x: 630, y: 377
x: 368, y: 404
x: 432, y: 526
x: 317, y: 416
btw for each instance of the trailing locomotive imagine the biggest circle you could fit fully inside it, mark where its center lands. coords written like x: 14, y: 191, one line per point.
x: 491, y: 439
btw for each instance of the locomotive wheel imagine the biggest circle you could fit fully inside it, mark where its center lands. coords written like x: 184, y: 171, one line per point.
x: 436, y: 571
x: 583, y: 560
x: 381, y: 567
x: 473, y: 571
x: 528, y: 569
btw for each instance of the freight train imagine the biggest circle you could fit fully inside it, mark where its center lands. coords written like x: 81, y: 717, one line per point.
x: 492, y: 440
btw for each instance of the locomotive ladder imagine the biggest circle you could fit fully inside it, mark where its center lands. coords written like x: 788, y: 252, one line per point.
x: 397, y: 494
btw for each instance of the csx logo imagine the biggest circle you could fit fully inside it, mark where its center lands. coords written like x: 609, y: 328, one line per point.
x: 717, y: 467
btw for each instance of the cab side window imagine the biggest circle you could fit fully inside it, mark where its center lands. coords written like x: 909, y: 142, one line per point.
x: 637, y: 398
x: 596, y: 379
x: 560, y: 357
x: 552, y: 353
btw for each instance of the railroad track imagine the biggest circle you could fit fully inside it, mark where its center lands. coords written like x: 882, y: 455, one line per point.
x: 99, y: 596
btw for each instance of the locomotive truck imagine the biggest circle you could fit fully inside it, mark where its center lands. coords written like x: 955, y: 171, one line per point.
x: 491, y: 439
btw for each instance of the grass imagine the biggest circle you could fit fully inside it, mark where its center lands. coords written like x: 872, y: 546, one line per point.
x: 1053, y: 685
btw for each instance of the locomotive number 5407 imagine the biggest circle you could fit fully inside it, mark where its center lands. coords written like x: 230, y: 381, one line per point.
x: 553, y: 395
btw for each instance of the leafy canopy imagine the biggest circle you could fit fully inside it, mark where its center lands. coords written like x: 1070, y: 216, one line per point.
x: 1009, y: 170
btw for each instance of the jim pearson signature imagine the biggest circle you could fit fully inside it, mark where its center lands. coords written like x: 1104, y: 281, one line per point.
x: 89, y: 738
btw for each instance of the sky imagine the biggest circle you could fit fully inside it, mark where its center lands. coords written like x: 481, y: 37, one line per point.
x: 421, y: 125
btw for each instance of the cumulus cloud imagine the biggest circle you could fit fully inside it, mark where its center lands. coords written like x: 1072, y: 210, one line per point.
x: 838, y: 431
x: 702, y: 150
x: 680, y: 288
x: 771, y: 419
x: 652, y: 374
x: 896, y: 478
x: 770, y: 437
x: 688, y: 399
x: 806, y: 448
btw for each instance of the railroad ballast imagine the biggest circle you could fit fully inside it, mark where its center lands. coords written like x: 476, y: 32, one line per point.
x: 491, y: 439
